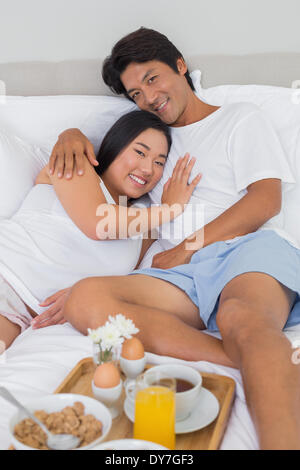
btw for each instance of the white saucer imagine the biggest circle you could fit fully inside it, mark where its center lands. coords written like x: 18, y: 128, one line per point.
x: 129, y: 444
x: 204, y: 413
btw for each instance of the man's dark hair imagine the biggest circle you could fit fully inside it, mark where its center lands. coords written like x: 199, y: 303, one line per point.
x: 124, y: 131
x: 140, y: 46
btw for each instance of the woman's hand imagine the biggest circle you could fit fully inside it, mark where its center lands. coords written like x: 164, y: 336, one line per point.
x: 177, y: 189
x: 72, y: 144
x: 54, y: 314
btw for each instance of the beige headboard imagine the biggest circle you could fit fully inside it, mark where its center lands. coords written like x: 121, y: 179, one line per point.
x: 84, y: 77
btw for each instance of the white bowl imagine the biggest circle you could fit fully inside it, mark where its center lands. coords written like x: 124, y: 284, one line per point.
x: 129, y: 444
x: 57, y: 402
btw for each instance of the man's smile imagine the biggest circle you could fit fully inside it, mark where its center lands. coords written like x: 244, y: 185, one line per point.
x: 162, y: 106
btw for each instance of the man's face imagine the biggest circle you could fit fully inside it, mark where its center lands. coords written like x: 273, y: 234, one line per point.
x: 156, y: 87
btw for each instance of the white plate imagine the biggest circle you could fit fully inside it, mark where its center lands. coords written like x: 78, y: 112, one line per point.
x: 204, y: 413
x: 129, y: 444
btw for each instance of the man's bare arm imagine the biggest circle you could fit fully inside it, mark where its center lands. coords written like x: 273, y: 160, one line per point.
x: 70, y: 149
x: 261, y: 203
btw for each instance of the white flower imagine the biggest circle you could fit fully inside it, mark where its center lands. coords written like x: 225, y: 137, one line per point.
x: 110, y: 336
x: 126, y: 326
x: 95, y: 335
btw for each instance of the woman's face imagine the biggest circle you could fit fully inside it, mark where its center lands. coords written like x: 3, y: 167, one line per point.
x: 139, y: 167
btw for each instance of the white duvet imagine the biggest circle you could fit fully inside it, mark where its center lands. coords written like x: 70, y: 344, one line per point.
x: 39, y: 360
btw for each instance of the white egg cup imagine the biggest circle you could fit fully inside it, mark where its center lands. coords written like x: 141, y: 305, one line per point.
x: 109, y: 397
x: 132, y: 367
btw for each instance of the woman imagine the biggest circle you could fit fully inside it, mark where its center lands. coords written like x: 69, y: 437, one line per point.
x: 68, y: 230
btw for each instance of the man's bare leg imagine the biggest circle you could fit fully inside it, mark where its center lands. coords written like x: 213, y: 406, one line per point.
x: 8, y: 330
x: 168, y: 321
x: 252, y: 312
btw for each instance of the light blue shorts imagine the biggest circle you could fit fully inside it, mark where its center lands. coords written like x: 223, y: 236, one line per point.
x: 212, y: 267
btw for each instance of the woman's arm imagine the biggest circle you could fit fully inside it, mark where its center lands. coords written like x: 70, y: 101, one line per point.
x: 85, y: 203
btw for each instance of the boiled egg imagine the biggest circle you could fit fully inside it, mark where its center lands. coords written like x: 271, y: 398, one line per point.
x: 107, y: 375
x: 132, y: 349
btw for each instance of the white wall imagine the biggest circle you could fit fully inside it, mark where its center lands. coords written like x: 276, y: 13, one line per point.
x: 55, y: 30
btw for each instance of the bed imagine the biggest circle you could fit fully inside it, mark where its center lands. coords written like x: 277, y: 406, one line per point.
x: 39, y: 360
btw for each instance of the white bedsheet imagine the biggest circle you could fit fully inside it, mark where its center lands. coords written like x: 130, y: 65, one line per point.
x: 39, y: 360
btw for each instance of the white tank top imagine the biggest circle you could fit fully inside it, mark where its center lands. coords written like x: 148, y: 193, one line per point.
x: 43, y: 251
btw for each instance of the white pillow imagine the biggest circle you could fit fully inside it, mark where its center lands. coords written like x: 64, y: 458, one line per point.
x: 20, y: 163
x: 282, y: 107
x: 39, y: 120
x: 30, y: 127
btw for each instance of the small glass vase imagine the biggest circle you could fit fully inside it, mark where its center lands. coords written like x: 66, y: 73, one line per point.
x: 100, y: 356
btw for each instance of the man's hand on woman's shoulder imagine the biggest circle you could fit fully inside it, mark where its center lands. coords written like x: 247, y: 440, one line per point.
x: 72, y: 147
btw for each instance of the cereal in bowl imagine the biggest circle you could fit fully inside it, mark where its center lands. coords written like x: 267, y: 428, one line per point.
x: 70, y: 420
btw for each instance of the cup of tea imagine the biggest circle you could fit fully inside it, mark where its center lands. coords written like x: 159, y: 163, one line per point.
x: 188, y: 386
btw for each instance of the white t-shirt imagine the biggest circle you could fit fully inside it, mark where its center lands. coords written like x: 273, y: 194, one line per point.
x: 234, y: 147
x: 42, y: 250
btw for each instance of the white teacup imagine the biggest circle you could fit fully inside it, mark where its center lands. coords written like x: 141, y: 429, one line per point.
x: 185, y: 401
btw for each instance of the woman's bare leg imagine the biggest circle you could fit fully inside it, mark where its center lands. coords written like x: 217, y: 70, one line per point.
x: 8, y: 331
x: 168, y: 321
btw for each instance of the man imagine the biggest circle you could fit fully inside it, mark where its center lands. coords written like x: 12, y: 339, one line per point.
x: 242, y: 286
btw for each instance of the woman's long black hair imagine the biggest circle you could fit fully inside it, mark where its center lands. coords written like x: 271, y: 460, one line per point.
x: 123, y: 132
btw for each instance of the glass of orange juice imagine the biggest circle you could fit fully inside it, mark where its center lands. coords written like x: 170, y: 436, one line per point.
x: 155, y: 408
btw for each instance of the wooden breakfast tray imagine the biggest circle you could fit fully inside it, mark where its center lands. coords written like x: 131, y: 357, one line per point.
x: 209, y: 438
